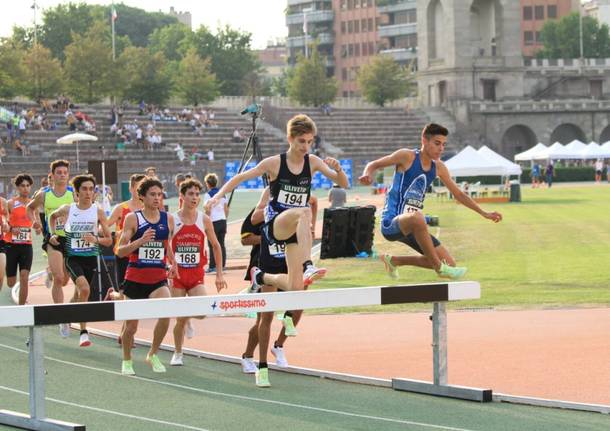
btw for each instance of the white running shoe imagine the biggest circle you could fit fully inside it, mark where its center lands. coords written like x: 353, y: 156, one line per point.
x: 312, y: 274
x: 84, y: 340
x: 64, y: 330
x: 280, y: 358
x: 189, y: 330
x: 176, y: 359
x: 248, y: 366
x: 255, y: 287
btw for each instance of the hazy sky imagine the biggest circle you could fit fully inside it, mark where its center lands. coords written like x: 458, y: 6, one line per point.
x: 263, y: 18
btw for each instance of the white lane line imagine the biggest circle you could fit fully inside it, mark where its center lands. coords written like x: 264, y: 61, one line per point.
x: 107, y: 411
x: 243, y: 397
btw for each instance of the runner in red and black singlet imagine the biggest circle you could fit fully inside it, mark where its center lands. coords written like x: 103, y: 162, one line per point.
x: 145, y: 239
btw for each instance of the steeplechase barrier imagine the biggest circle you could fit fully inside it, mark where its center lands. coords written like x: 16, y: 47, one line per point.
x: 36, y: 316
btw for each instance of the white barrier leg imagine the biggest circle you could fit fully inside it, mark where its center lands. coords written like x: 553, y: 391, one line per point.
x: 440, y: 386
x: 37, y: 419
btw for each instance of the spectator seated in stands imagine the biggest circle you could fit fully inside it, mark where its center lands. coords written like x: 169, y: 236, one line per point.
x: 180, y: 152
x: 326, y: 109
x: 237, y: 136
x: 21, y: 146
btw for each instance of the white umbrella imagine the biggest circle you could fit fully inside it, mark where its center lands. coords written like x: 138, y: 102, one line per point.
x: 527, y: 155
x: 76, y: 138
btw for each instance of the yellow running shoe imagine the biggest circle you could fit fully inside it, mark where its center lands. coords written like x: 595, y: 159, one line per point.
x: 127, y: 368
x: 390, y: 269
x: 262, y: 378
x: 155, y: 363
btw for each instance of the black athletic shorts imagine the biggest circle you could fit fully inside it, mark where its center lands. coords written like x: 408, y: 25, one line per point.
x: 134, y: 290
x: 81, y: 266
x: 271, y: 239
x: 18, y: 255
x: 61, y: 247
x: 2, y: 246
x: 267, y: 262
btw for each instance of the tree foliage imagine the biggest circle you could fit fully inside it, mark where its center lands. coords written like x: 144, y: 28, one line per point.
x: 310, y: 85
x: 173, y: 41
x: 88, y: 66
x: 383, y: 80
x: 61, y: 22
x: 279, y: 84
x: 195, y: 82
x: 561, y: 38
x: 231, y: 56
x: 146, y: 76
x: 11, y: 69
x: 42, y: 74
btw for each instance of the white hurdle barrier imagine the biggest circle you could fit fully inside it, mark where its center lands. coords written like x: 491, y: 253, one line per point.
x: 35, y: 316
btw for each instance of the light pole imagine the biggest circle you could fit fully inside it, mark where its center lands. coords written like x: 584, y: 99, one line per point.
x: 582, y: 50
x: 305, y: 11
x: 35, y: 7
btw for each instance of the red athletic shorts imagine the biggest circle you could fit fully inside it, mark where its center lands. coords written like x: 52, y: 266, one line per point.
x: 187, y: 283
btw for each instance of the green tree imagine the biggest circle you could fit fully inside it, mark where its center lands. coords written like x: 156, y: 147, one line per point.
x: 61, y: 22
x: 231, y: 56
x: 137, y: 23
x: 310, y: 85
x: 88, y: 65
x: 561, y: 38
x: 146, y: 76
x: 195, y: 82
x: 279, y: 84
x: 173, y: 41
x: 42, y: 74
x: 11, y: 69
x: 383, y: 80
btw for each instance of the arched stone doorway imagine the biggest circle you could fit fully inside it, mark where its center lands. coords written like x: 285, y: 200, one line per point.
x: 517, y: 139
x: 566, y: 133
x: 605, y: 136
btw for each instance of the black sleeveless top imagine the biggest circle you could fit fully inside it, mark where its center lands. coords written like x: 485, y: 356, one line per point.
x: 288, y: 190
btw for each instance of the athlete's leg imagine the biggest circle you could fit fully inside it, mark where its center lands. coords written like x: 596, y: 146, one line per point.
x: 252, y: 338
x: 264, y: 330
x: 162, y: 324
x: 422, y: 261
x: 130, y: 328
x: 180, y: 321
x: 24, y: 282
x: 416, y: 223
x: 295, y: 220
x: 56, y: 264
x: 82, y: 294
x: 2, y: 269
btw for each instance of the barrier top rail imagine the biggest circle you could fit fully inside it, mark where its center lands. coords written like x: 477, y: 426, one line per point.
x: 216, y: 305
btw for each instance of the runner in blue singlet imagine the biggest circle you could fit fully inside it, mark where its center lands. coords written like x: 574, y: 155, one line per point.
x: 402, y: 218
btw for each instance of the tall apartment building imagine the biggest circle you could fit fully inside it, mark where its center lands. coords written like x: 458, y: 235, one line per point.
x: 534, y: 13
x: 350, y: 32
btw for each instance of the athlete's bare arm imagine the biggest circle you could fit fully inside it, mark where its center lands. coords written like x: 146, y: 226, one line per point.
x: 330, y: 168
x: 220, y: 283
x: 115, y: 215
x: 126, y: 246
x: 61, y: 212
x: 106, y: 238
x: 258, y: 216
x: 443, y: 173
x: 5, y: 214
x: 269, y: 166
x: 402, y: 159
x: 32, y: 210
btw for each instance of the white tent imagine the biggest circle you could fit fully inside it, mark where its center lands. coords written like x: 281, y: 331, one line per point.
x: 470, y: 163
x: 606, y: 149
x: 527, y: 155
x: 594, y: 151
x: 510, y: 167
x: 576, y: 147
x: 555, y: 152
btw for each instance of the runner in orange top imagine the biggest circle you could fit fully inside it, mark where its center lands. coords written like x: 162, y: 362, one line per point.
x: 189, y: 247
x: 3, y: 228
x: 19, y: 252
